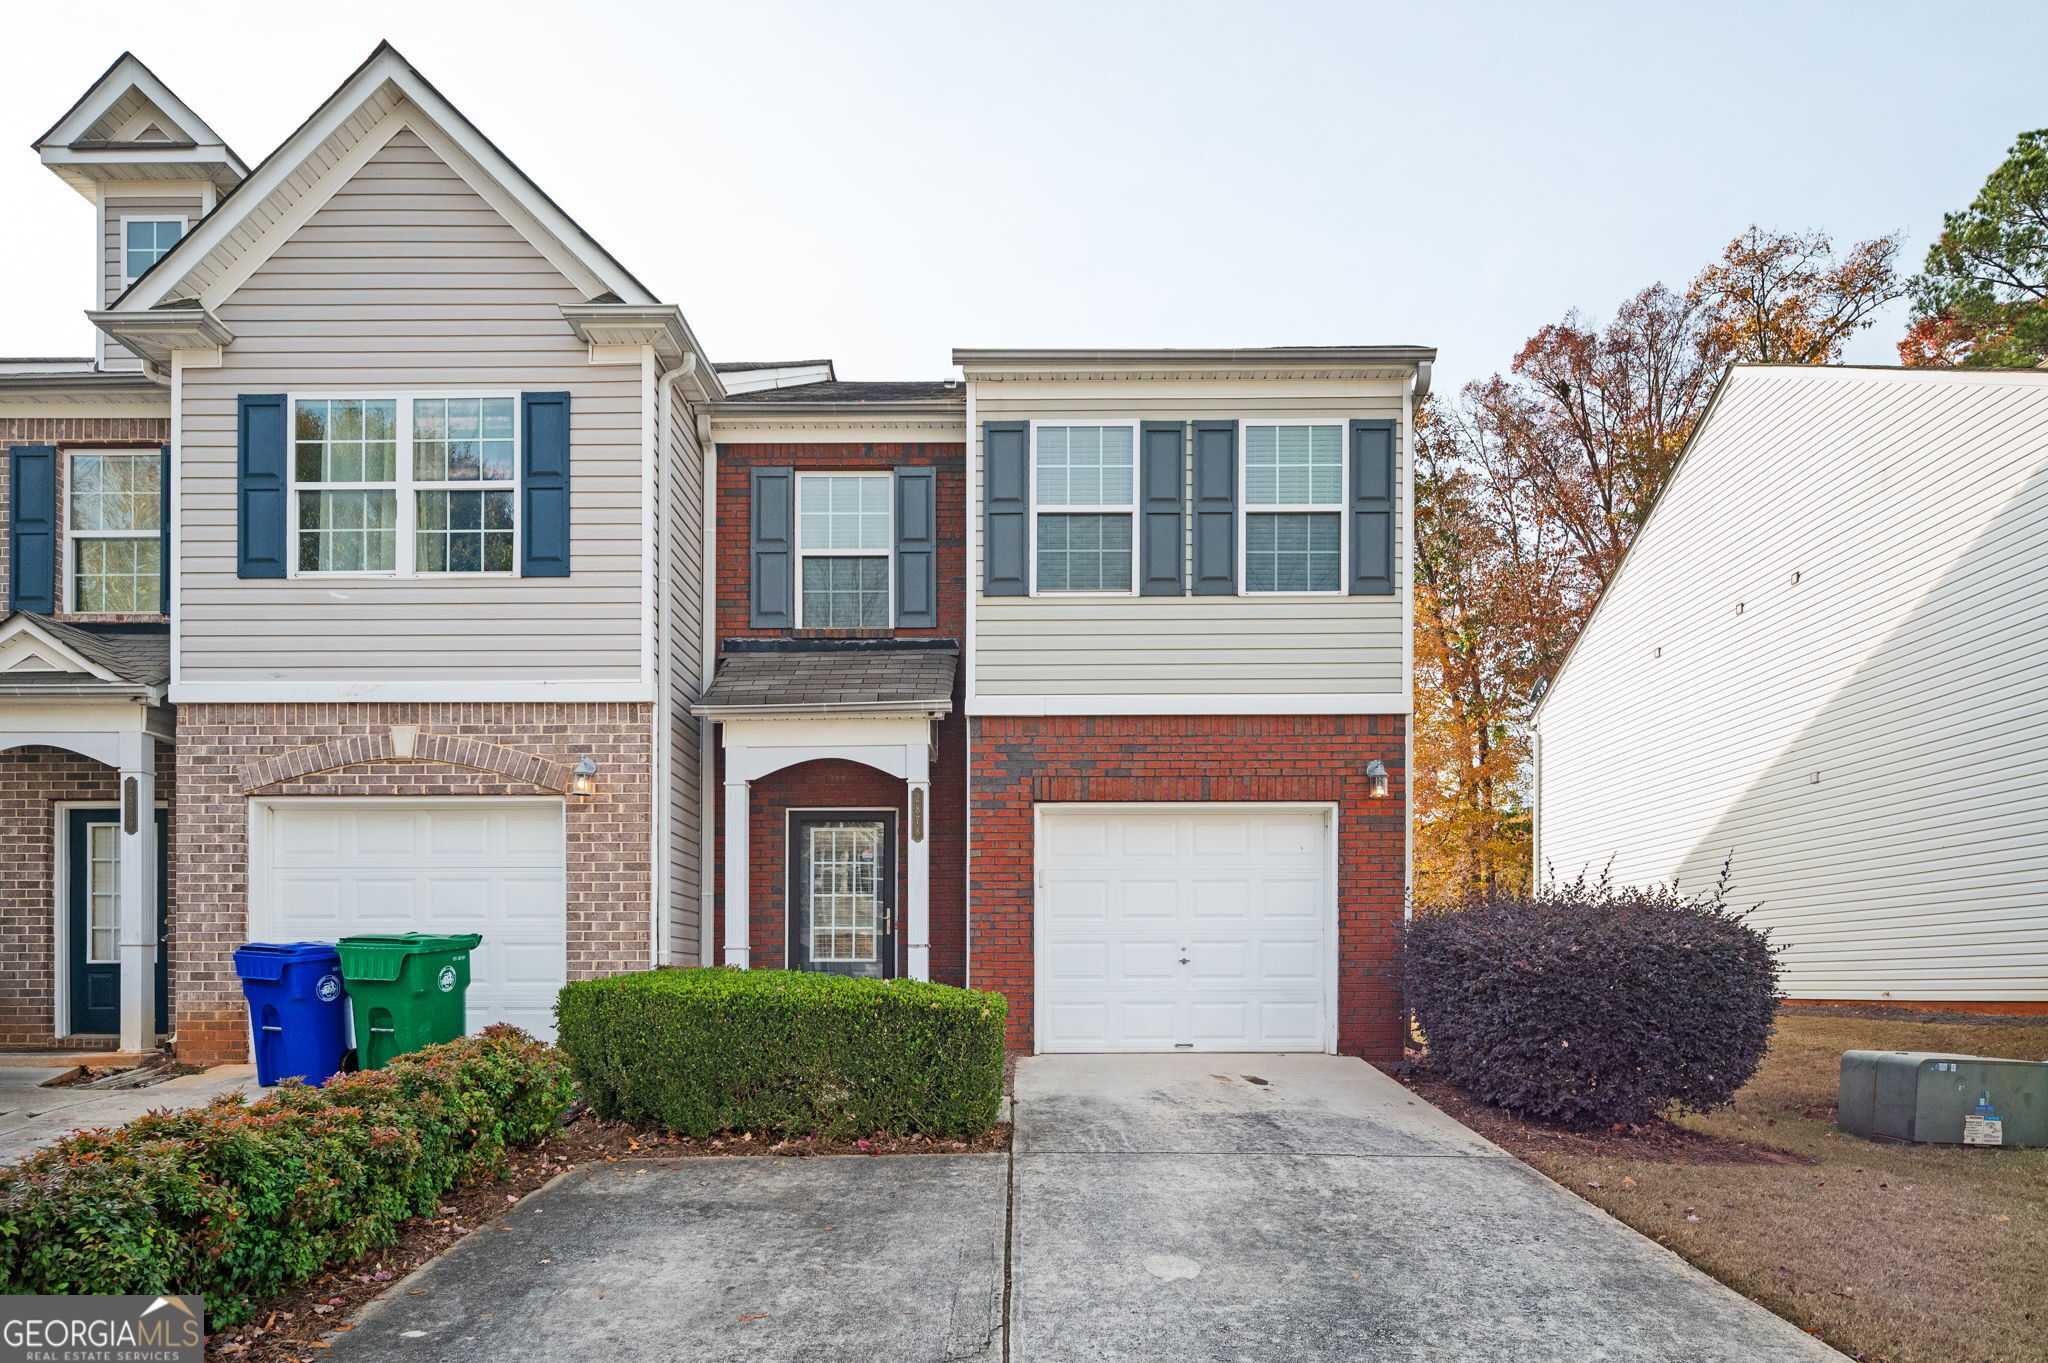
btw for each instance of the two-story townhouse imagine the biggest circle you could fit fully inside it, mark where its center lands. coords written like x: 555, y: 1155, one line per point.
x: 412, y: 557
x: 413, y: 532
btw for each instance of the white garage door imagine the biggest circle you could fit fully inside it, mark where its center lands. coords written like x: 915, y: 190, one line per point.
x: 329, y: 869
x: 1201, y: 928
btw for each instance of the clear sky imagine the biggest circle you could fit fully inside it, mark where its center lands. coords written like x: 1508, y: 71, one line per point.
x: 879, y: 182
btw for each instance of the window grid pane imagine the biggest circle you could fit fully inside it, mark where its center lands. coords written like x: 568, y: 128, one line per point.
x: 464, y: 532
x: 117, y: 576
x: 103, y: 893
x: 116, y: 491
x: 1084, y: 553
x: 348, y: 532
x: 846, y: 593
x: 1294, y: 465
x: 842, y: 511
x: 146, y: 242
x: 1085, y: 465
x: 846, y: 902
x: 1292, y: 551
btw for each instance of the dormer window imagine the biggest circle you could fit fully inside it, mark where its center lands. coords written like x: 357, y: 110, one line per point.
x: 144, y: 242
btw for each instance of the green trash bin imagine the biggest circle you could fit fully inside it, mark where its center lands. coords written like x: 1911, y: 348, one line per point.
x: 405, y: 990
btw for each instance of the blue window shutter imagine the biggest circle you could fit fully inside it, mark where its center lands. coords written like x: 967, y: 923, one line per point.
x: 917, y: 548
x: 543, y: 484
x: 32, y: 527
x: 262, y: 515
x: 1005, y: 508
x: 1215, y: 508
x: 163, y: 531
x: 1372, y: 508
x: 1162, y: 508
x: 771, y: 548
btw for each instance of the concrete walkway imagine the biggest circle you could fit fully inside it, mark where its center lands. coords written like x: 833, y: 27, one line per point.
x: 1212, y: 1208
x: 32, y: 1116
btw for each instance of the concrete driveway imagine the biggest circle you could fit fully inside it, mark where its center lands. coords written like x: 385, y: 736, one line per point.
x: 32, y: 1116
x: 1240, y: 1208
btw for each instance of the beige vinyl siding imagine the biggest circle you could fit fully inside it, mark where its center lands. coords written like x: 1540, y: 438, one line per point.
x: 117, y: 202
x: 1865, y: 742
x: 406, y: 281
x: 682, y: 558
x: 1256, y: 644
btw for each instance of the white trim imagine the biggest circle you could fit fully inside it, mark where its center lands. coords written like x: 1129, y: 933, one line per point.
x: 1129, y: 510
x: 404, y: 488
x: 1198, y: 703
x: 176, y: 504
x: 1332, y: 956
x: 1340, y: 508
x: 60, y: 904
x: 50, y: 649
x: 481, y: 692
x: 107, y: 91
x: 655, y: 397
x: 1404, y: 584
x: 971, y: 575
x: 184, y: 226
x: 887, y: 553
x: 67, y: 571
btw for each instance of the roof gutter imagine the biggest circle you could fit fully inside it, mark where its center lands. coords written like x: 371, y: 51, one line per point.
x: 847, y: 709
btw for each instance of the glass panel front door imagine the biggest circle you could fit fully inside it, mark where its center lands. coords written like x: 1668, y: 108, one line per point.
x: 93, y: 868
x: 843, y: 893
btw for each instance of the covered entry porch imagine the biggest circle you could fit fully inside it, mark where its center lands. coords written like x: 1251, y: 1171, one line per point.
x: 84, y: 738
x: 826, y: 813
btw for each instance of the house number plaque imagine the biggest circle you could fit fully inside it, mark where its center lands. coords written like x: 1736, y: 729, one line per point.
x: 917, y: 814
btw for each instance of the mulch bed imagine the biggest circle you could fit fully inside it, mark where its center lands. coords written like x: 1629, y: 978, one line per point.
x: 288, y: 1328
x: 1884, y: 1012
x: 1657, y: 1142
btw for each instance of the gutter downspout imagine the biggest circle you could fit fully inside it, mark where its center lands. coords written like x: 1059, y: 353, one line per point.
x: 707, y: 784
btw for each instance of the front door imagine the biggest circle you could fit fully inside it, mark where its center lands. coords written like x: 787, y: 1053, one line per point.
x: 842, y: 892
x: 93, y: 865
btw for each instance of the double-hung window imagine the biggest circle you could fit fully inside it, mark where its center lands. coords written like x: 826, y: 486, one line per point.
x: 405, y: 485
x: 113, y: 519
x: 144, y: 242
x: 843, y: 536
x: 1084, y: 502
x: 1293, y: 508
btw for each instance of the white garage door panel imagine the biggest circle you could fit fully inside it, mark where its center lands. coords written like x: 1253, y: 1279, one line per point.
x: 1198, y: 928
x: 487, y: 866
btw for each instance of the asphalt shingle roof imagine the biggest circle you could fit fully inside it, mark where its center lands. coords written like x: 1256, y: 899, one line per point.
x: 923, y: 390
x: 138, y: 656
x: 850, y: 679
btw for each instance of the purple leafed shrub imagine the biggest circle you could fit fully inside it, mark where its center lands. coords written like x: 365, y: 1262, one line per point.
x: 1590, y: 1005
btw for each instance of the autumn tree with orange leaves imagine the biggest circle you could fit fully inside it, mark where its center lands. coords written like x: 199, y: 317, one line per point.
x: 1530, y: 487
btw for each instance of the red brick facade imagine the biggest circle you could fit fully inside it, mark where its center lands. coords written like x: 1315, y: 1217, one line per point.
x: 845, y: 785
x: 33, y: 781
x: 229, y: 753
x: 72, y: 432
x: 1023, y: 762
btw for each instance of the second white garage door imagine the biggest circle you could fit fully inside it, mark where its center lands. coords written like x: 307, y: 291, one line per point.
x: 1189, y: 927
x: 330, y: 868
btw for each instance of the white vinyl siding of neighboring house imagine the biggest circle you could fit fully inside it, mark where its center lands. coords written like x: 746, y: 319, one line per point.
x: 1867, y: 735
x: 1248, y: 644
x: 407, y: 281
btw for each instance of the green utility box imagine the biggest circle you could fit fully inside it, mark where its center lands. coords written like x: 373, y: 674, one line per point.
x: 405, y: 991
x: 1926, y: 1096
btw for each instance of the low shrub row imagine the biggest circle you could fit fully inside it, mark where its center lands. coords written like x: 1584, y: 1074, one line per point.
x: 794, y: 1053
x: 1590, y: 1004
x: 237, y: 1201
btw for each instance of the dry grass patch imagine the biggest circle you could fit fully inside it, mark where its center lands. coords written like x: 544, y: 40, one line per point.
x: 1892, y: 1253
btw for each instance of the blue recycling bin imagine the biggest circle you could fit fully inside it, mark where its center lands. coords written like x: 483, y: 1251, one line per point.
x: 298, y: 1010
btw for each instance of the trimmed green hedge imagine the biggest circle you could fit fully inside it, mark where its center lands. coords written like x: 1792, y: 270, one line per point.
x: 237, y: 1201
x: 797, y: 1053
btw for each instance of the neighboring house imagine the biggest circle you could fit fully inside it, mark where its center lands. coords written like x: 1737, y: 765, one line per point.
x: 1824, y: 662
x: 383, y: 547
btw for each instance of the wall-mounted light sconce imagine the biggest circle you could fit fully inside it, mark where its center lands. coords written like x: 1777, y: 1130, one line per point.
x: 583, y: 778
x: 1376, y: 772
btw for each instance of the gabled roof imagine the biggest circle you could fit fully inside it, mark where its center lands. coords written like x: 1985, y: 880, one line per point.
x: 383, y: 95
x: 130, y: 125
x: 38, y: 654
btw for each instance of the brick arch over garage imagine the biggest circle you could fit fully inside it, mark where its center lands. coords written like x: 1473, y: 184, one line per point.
x: 400, y: 745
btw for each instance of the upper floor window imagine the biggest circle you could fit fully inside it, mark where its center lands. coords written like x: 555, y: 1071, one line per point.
x: 144, y: 241
x: 1084, y: 502
x: 405, y: 485
x: 843, y: 540
x: 1293, y: 508
x: 113, y: 519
